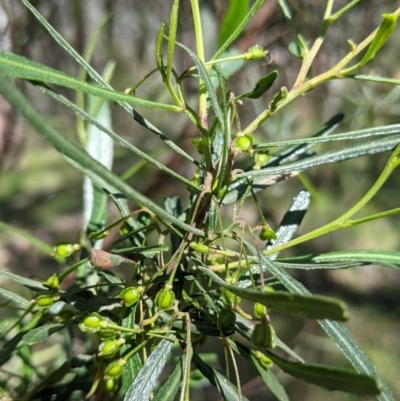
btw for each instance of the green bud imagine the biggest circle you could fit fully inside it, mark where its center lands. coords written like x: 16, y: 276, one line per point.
x: 199, y: 247
x: 255, y: 53
x: 263, y: 335
x: 243, y: 142
x: 198, y: 143
x: 165, y: 298
x: 131, y: 295
x: 266, y: 362
x: 109, y: 384
x: 52, y: 282
x: 260, y: 310
x: 92, y: 322
x: 226, y: 321
x: 266, y: 233
x: 115, y: 368
x: 261, y: 158
x: 229, y: 298
x: 64, y: 249
x: 106, y: 334
x: 44, y: 299
x: 108, y: 349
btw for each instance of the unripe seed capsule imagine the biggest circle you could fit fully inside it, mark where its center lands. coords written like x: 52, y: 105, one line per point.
x: 255, y: 53
x: 266, y: 233
x: 115, y: 368
x: 64, y: 249
x: 165, y: 298
x: 109, y: 348
x: 243, y: 142
x: 92, y: 322
x: 260, y: 310
x: 199, y: 247
x: 109, y: 384
x: 261, y: 158
x: 226, y: 321
x: 266, y: 362
x: 263, y: 335
x: 44, y: 299
x: 52, y: 282
x: 131, y: 295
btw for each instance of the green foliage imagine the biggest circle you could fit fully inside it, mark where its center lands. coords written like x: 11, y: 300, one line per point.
x: 190, y: 273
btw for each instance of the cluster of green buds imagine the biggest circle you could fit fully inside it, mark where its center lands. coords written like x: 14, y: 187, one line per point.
x: 263, y: 335
x: 165, y: 298
x: 131, y: 295
x: 45, y: 299
x: 64, y: 249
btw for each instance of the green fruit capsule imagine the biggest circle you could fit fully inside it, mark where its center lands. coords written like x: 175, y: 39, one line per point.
x: 109, y: 384
x: 165, y: 298
x: 64, y: 249
x: 243, y: 142
x: 131, y: 295
x: 263, y: 335
x: 255, y: 53
x: 266, y: 362
x: 52, y: 282
x: 199, y: 247
x: 115, y: 368
x: 266, y: 233
x: 260, y: 310
x: 92, y: 322
x: 229, y: 298
x: 226, y: 321
x: 106, y: 334
x: 261, y: 158
x: 107, y: 349
x: 44, y: 299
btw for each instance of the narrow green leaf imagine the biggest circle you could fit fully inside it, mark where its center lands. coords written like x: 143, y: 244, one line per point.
x: 42, y: 333
x: 261, y: 87
x: 336, y: 331
x: 173, y: 25
x: 385, y: 30
x: 12, y: 65
x: 364, y: 133
x: 134, y: 364
x: 312, y: 307
x: 204, y: 75
x: 97, y: 77
x: 239, y: 29
x: 81, y: 160
x: 329, y: 377
x: 377, y: 257
x: 170, y: 388
x: 145, y: 251
x: 3, y: 325
x: 318, y: 266
x: 266, y: 375
x: 15, y: 299
x: 107, y: 130
x: 335, y: 156
x: 27, y: 282
x: 235, y: 14
x: 147, y: 378
x: 225, y: 387
x: 383, y: 80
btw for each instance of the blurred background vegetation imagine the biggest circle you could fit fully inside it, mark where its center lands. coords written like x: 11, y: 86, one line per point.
x: 42, y: 195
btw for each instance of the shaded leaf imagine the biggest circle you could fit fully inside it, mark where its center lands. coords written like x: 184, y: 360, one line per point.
x: 261, y: 87
x: 27, y: 282
x: 225, y: 387
x: 42, y: 333
x: 146, y: 380
x: 235, y: 14
x: 329, y: 377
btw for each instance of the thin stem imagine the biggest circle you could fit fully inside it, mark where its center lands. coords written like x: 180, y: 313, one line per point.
x: 200, y: 54
x: 343, y: 220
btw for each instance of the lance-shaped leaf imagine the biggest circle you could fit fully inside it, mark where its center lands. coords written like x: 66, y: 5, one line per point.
x: 14, y: 298
x: 385, y: 30
x: 312, y: 307
x: 261, y: 87
x: 80, y: 159
x: 27, y: 282
x: 42, y: 333
x: 143, y: 251
x: 329, y: 377
x: 236, y: 12
x: 147, y: 378
x: 370, y: 256
x: 12, y: 65
x: 225, y: 387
